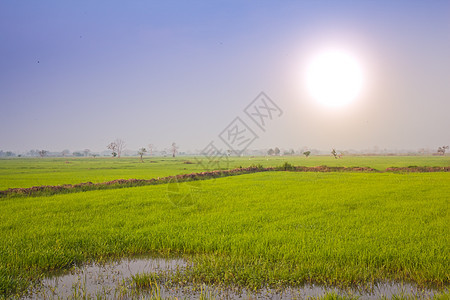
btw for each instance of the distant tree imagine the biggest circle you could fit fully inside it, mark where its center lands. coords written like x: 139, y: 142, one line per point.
x: 151, y: 148
x: 65, y: 152
x: 174, y: 149
x: 120, y: 146
x: 141, y: 153
x: 77, y: 154
x: 335, y: 154
x: 43, y: 153
x: 113, y: 147
x: 7, y: 153
x: 307, y: 153
x: 116, y: 147
x: 277, y: 151
x: 270, y: 152
x: 94, y: 155
x: 441, y: 150
x: 289, y: 152
x: 86, y: 152
x: 33, y: 152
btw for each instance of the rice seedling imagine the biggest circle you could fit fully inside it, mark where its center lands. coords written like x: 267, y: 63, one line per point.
x: 267, y: 229
x: 28, y: 172
x: 252, y: 230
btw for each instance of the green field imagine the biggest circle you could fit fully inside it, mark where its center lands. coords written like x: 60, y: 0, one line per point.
x: 253, y: 230
x: 27, y: 172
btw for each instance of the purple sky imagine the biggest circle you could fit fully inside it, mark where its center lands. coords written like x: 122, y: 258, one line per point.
x: 78, y: 74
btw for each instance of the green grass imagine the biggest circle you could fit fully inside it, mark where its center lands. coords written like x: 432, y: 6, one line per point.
x: 334, y: 296
x: 263, y: 229
x: 27, y: 172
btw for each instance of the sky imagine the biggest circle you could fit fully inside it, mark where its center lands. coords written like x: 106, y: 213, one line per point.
x: 79, y: 74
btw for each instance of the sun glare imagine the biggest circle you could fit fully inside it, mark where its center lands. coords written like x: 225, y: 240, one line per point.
x: 334, y: 78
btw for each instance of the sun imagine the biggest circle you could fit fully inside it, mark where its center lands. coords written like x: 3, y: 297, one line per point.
x: 334, y: 78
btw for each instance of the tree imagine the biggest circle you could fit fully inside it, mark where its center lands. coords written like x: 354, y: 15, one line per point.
x: 441, y: 150
x: 86, y: 152
x: 174, y: 149
x: 141, y: 153
x: 334, y: 153
x: 33, y: 152
x: 116, y: 147
x: 120, y: 146
x: 277, y: 151
x: 113, y: 147
x: 65, y: 152
x: 307, y: 153
x: 42, y: 153
x: 270, y: 152
x: 289, y: 152
x: 151, y: 148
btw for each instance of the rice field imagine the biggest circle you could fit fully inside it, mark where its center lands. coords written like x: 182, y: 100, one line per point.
x: 270, y: 229
x: 28, y: 172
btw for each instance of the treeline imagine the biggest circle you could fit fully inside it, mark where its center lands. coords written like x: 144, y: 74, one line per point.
x: 7, y: 154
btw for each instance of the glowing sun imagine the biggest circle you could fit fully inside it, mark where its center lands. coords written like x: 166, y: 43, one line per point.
x: 334, y: 78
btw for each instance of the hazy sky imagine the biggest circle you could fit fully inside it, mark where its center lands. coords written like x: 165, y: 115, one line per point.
x: 78, y: 74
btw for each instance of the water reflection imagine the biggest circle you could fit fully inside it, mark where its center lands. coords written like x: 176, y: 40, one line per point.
x: 113, y: 280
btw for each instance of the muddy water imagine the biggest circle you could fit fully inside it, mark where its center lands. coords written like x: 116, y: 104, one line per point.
x: 112, y: 281
x: 382, y: 290
x: 101, y: 279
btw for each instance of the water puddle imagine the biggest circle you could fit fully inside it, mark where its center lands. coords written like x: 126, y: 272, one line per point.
x: 381, y: 291
x: 103, y: 280
x: 113, y: 281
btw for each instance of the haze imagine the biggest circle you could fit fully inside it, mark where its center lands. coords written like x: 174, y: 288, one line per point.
x: 78, y: 74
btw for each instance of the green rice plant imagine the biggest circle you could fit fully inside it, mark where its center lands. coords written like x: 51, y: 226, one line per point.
x: 266, y: 229
x: 334, y: 296
x: 28, y: 172
x: 443, y: 296
x: 145, y: 281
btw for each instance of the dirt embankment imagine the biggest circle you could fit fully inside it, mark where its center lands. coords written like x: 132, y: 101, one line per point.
x: 418, y: 169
